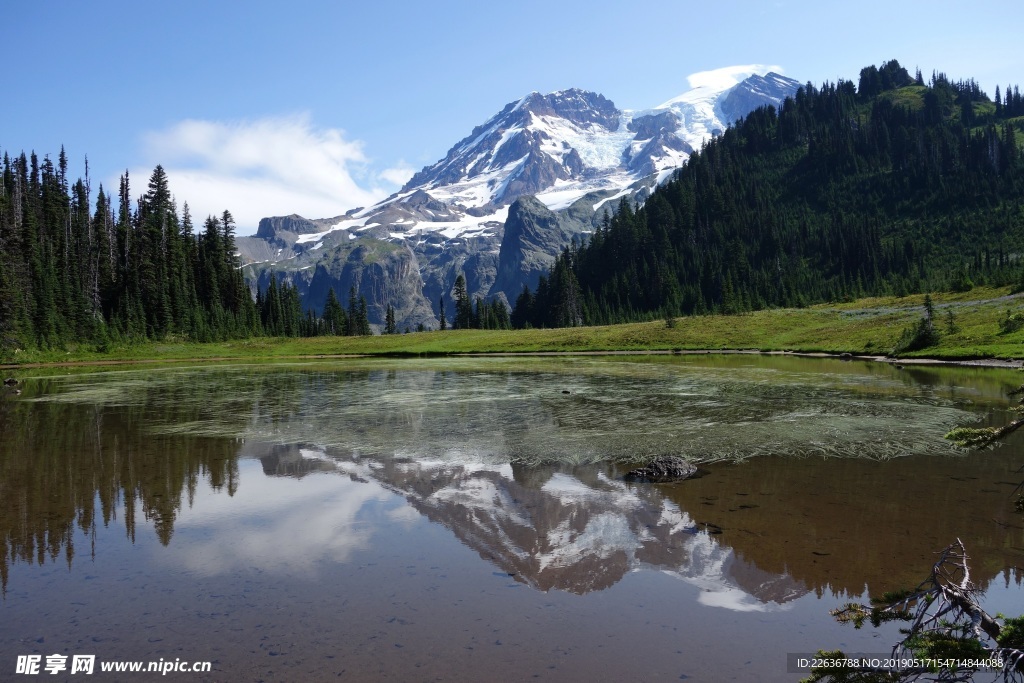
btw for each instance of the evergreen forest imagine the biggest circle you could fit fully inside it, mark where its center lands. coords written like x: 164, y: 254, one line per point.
x: 888, y: 186
x: 75, y: 270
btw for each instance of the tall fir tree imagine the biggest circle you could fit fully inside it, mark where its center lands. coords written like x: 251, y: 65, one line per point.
x: 463, y: 306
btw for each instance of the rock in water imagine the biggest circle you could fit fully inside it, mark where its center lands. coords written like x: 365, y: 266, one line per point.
x: 663, y: 469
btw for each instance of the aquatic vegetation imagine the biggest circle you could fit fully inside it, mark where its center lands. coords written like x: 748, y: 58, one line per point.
x: 545, y: 410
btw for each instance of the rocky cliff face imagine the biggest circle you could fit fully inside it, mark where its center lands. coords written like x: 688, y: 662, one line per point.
x: 534, y: 236
x: 383, y: 272
x: 504, y: 201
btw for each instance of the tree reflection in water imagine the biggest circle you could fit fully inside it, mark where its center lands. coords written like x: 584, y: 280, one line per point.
x: 499, y: 455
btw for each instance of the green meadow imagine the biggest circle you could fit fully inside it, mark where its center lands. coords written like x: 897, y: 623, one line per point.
x: 866, y: 326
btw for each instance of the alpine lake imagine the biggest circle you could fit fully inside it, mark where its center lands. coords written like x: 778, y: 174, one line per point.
x: 466, y: 519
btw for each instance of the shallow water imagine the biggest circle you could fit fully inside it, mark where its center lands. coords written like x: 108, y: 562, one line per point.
x: 466, y: 519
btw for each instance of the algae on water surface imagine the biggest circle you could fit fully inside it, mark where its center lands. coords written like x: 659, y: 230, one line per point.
x: 545, y: 409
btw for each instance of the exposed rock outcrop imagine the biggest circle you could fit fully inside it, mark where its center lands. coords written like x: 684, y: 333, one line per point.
x: 534, y: 236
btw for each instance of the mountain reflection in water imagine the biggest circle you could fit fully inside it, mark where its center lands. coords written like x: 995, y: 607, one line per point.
x: 577, y: 529
x: 753, y: 536
x: 264, y: 506
x: 89, y: 448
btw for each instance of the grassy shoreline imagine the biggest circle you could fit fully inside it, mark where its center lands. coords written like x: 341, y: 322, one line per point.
x: 864, y: 327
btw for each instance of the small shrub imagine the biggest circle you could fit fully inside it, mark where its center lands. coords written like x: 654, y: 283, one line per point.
x: 920, y: 336
x: 1012, y: 322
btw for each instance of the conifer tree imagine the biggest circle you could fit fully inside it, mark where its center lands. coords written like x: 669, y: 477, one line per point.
x: 463, y: 306
x: 363, y: 319
x: 334, y: 315
x: 353, y: 327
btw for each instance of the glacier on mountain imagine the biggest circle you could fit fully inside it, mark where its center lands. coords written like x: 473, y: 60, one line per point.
x: 572, y: 150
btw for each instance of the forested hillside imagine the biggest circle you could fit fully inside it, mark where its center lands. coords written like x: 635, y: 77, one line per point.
x: 888, y: 186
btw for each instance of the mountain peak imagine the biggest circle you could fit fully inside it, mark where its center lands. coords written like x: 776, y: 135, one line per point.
x: 726, y: 77
x: 524, y: 148
x: 581, y: 107
x: 755, y: 91
x: 567, y: 143
x: 572, y: 150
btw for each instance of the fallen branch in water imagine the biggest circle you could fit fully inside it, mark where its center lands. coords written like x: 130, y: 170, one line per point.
x: 974, y: 437
x: 946, y: 625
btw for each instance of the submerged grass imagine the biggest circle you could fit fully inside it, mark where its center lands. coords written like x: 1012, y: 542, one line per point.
x: 867, y: 326
x: 543, y: 410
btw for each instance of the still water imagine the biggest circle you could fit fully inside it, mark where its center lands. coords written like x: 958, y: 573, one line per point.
x: 466, y: 519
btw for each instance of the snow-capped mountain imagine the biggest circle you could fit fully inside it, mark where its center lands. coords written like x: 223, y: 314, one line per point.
x: 564, y: 145
x: 573, y: 151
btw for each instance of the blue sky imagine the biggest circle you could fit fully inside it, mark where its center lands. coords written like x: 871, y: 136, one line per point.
x: 269, y: 108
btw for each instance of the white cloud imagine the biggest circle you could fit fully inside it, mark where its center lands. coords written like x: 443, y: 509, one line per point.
x: 726, y: 77
x: 264, y: 167
x: 398, y: 174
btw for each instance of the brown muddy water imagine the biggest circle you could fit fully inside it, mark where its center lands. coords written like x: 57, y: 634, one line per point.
x: 466, y: 519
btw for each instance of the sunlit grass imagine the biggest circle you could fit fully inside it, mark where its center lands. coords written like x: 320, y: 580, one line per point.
x: 868, y: 326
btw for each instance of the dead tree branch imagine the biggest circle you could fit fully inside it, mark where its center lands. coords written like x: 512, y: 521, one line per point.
x: 946, y: 623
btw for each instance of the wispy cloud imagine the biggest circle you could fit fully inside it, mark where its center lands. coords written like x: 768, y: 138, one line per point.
x: 726, y: 77
x: 265, y: 167
x: 397, y: 174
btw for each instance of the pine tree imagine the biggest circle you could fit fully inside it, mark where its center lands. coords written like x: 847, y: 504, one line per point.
x: 522, y: 313
x: 157, y: 220
x: 463, y: 306
x: 363, y: 319
x: 273, y: 315
x: 334, y: 315
x: 230, y: 293
x: 352, y: 327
